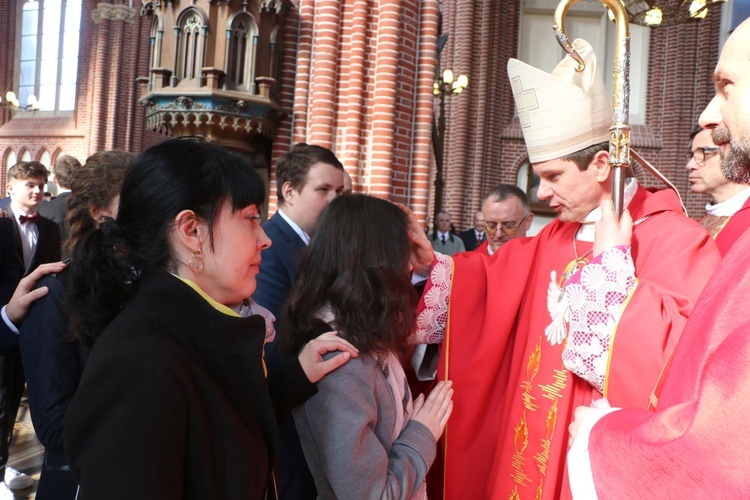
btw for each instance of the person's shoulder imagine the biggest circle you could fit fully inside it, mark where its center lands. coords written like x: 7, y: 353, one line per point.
x: 140, y: 333
x: 47, y: 224
x: 358, y: 371
x: 52, y: 206
x: 56, y: 282
x: 276, y: 221
x: 277, y: 227
x: 362, y: 362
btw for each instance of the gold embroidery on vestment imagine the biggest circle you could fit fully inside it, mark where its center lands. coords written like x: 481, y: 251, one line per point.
x: 532, y: 367
x: 554, y: 390
x: 543, y: 456
x: 514, y: 495
x: 520, y: 442
x: 521, y: 438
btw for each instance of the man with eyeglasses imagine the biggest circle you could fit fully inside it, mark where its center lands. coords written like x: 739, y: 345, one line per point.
x: 695, y: 443
x: 567, y: 317
x: 729, y: 199
x: 507, y: 216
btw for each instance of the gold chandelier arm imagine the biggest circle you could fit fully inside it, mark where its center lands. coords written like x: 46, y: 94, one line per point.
x: 619, y: 132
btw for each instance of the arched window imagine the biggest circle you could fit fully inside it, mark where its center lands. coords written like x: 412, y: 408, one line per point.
x: 156, y: 37
x: 191, y: 34
x: 10, y: 160
x: 275, y: 58
x: 26, y: 155
x: 46, y: 160
x: 242, y: 48
x: 49, y: 40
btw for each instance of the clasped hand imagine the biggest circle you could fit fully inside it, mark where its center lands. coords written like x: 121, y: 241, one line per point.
x: 434, y: 411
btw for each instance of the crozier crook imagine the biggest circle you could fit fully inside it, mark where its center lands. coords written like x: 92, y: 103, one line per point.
x: 619, y: 132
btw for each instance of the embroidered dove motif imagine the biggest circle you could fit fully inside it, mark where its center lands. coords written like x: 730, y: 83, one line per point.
x: 557, y: 306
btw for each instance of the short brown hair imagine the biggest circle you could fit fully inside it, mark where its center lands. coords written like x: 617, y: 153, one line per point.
x: 27, y: 169
x: 63, y: 170
x: 583, y: 158
x: 294, y: 166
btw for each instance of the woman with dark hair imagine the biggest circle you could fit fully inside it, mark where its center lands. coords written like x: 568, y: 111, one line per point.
x: 362, y: 435
x: 174, y: 402
x: 52, y: 363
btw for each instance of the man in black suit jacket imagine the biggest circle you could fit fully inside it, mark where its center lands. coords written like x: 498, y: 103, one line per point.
x: 307, y: 179
x: 57, y: 209
x: 36, y: 241
x: 475, y: 236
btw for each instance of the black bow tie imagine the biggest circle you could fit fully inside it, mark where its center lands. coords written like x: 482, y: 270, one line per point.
x: 28, y: 218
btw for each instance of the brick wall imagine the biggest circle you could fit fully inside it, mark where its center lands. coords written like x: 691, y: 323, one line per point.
x: 362, y: 80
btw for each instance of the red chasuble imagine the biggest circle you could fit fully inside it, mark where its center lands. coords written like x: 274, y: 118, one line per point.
x: 507, y: 437
x: 697, y: 443
x: 734, y: 229
x: 483, y: 247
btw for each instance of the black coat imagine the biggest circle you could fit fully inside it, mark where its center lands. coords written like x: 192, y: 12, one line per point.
x: 56, y: 211
x: 469, y: 238
x: 10, y: 275
x: 174, y: 402
x: 12, y: 266
x: 53, y: 366
x: 48, y: 245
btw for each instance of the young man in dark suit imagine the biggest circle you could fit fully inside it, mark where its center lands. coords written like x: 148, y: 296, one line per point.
x: 36, y: 241
x: 307, y: 179
x: 57, y: 209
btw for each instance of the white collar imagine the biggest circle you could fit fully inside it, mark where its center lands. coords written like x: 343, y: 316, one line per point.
x: 17, y: 212
x: 305, y: 237
x: 730, y: 206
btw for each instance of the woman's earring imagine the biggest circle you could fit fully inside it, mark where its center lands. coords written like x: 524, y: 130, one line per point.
x: 196, y: 262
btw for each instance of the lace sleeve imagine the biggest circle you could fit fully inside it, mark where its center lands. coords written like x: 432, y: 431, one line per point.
x: 433, y: 315
x: 596, y: 295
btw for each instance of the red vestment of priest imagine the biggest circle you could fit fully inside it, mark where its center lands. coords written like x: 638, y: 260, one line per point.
x: 734, y: 229
x: 696, y: 443
x: 513, y: 401
x: 483, y: 247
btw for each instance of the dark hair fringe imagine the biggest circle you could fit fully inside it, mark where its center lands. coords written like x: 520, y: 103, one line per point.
x: 184, y: 173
